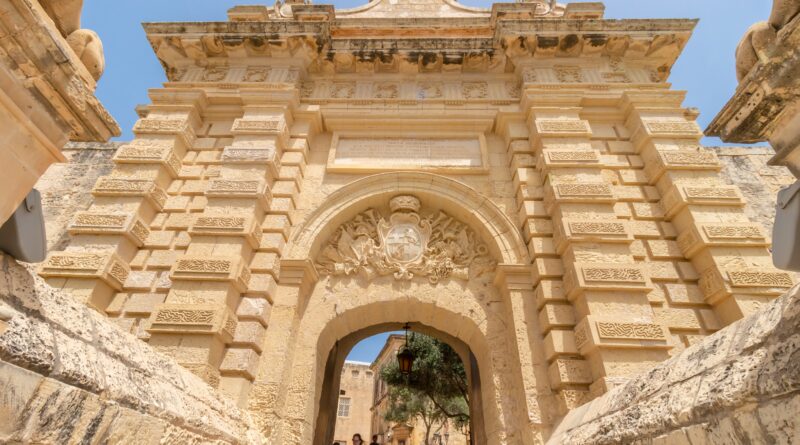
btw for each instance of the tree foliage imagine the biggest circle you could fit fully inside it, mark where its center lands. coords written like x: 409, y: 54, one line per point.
x: 436, y: 390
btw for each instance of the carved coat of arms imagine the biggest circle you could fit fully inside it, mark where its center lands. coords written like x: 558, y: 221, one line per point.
x: 405, y: 245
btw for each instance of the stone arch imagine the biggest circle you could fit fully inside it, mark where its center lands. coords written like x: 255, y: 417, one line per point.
x: 452, y: 196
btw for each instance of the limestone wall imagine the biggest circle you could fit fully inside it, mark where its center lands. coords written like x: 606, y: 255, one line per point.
x: 741, y: 385
x: 66, y: 187
x: 68, y: 375
x: 747, y: 168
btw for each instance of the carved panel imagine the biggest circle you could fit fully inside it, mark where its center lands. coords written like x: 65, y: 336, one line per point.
x: 563, y: 128
x: 149, y: 152
x: 178, y: 127
x: 474, y: 90
x: 276, y: 126
x: 107, y: 267
x: 717, y: 195
x: 634, y: 331
x: 570, y: 230
x: 244, y: 226
x: 606, y: 277
x: 193, y: 319
x: 568, y: 74
x: 721, y: 235
x: 580, y: 192
x: 203, y: 268
x: 128, y: 225
x: 681, y: 160
x: 247, y: 155
x: 570, y: 159
x: 405, y: 245
x: 113, y: 186
x: 230, y: 188
x: 718, y: 284
x: 673, y: 129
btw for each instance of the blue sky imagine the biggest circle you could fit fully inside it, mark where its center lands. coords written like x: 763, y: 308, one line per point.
x: 705, y: 70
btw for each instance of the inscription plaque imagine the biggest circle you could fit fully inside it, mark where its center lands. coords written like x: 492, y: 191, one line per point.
x: 414, y: 153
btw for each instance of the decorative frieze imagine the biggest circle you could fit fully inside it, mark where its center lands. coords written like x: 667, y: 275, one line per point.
x: 204, y: 268
x: 586, y: 192
x: 107, y: 267
x: 665, y: 160
x: 718, y: 284
x: 251, y: 126
x: 592, y: 333
x: 702, y: 195
x: 143, y: 151
x: 672, y: 129
x: 237, y: 189
x: 702, y: 235
x: 128, y: 225
x: 562, y: 128
x: 115, y: 186
x: 176, y: 127
x: 243, y: 226
x: 569, y: 159
x: 193, y: 319
x: 571, y: 230
x: 611, y: 277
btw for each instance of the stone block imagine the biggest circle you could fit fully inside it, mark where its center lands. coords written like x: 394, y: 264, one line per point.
x: 597, y: 332
x: 610, y: 277
x: 254, y: 309
x: 244, y: 226
x: 142, y: 303
x: 128, y: 225
x: 569, y: 230
x: 679, y: 294
x: 718, y: 284
x: 218, y: 268
x: 703, y: 235
x: 566, y: 372
x: 107, y: 267
x: 192, y: 319
x: 127, y: 187
x: 662, y: 161
x: 680, y: 196
x: 237, y: 189
x: 144, y: 151
x: 548, y: 292
x: 242, y: 362
x: 550, y: 128
x: 556, y: 316
x: 140, y: 280
x: 559, y: 342
x: 249, y: 334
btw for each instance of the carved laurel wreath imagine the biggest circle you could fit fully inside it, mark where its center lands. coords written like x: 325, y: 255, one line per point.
x: 406, y: 245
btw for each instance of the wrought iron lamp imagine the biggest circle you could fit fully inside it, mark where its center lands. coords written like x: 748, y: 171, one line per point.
x: 405, y: 358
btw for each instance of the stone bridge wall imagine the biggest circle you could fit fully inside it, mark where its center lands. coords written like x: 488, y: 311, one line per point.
x: 68, y: 375
x: 741, y: 385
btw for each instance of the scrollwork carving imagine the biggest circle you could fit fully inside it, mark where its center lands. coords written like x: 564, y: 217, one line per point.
x: 405, y: 245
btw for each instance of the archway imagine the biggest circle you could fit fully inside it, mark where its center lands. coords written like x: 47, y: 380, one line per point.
x: 487, y: 310
x: 326, y: 417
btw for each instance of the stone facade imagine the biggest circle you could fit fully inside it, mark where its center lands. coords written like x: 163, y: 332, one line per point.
x: 355, y: 400
x: 518, y: 181
x: 66, y: 187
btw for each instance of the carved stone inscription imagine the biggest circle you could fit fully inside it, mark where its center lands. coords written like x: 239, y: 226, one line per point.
x: 381, y: 153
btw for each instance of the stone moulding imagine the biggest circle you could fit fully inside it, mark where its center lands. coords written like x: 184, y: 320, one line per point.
x: 564, y: 372
x: 204, y: 268
x: 193, y: 319
x: 170, y: 127
x: 405, y: 245
x: 107, y: 267
x: 127, y: 225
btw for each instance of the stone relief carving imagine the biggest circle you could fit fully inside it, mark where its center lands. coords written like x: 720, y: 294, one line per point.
x: 405, y: 245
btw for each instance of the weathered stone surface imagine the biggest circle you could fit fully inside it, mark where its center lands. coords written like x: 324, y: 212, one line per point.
x: 738, y: 393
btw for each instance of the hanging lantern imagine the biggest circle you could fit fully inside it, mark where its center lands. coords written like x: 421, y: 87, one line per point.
x: 405, y: 358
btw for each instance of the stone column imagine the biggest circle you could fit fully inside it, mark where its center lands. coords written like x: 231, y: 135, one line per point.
x: 594, y: 302
x: 514, y: 282
x: 728, y: 251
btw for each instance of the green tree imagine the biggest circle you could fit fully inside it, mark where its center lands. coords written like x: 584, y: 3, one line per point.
x: 436, y: 389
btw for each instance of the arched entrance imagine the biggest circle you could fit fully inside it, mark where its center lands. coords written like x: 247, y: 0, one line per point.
x: 326, y: 418
x: 353, y: 266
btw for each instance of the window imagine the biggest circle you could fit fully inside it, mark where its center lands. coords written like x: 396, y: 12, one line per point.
x: 344, y: 407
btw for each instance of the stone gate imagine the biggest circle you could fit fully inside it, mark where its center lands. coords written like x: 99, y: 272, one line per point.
x: 520, y: 179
